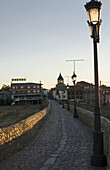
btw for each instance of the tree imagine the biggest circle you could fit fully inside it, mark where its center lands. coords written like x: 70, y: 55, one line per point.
x: 9, y: 101
x: 1, y: 102
x: 5, y: 87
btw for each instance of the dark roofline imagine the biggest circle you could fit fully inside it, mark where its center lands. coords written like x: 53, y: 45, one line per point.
x: 84, y: 82
x: 26, y: 84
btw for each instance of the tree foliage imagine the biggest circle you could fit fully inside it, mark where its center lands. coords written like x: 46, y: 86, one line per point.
x: 1, y: 102
x: 5, y: 87
x: 9, y: 101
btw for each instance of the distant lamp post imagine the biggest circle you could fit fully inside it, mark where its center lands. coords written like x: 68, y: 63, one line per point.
x: 59, y: 96
x: 93, y: 9
x: 62, y: 100
x: 74, y: 82
x: 68, y: 107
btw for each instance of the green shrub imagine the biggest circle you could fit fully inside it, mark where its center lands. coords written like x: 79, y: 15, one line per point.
x: 9, y: 101
x: 1, y: 102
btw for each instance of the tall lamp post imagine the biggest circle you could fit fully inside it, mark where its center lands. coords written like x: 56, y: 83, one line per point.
x: 93, y: 9
x: 74, y: 82
x: 68, y: 107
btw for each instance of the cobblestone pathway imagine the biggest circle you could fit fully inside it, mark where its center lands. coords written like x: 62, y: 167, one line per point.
x: 63, y: 143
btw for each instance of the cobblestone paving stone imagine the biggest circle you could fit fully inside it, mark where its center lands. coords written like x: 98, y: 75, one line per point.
x: 63, y: 143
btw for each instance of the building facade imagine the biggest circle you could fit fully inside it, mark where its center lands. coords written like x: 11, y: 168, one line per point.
x: 85, y: 92
x: 26, y: 93
x: 104, y: 95
x: 79, y: 92
x: 60, y: 91
x: 88, y: 91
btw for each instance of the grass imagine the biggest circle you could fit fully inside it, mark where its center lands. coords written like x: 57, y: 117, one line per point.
x: 105, y: 109
x: 12, y: 114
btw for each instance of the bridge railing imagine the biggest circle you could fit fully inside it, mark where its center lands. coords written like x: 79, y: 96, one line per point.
x: 87, y: 117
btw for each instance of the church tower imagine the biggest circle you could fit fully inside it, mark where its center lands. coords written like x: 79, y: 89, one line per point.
x: 60, y: 81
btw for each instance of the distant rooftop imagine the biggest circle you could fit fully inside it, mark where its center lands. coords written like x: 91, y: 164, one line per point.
x: 84, y: 83
x: 26, y: 83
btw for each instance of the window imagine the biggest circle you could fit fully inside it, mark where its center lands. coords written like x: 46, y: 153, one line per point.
x: 12, y: 96
x: 21, y: 87
x: 28, y: 87
x: 13, y: 87
x: 38, y: 91
x: 13, y: 92
x: 37, y: 86
x: 34, y: 91
x: 34, y: 87
x: 16, y: 87
x: 28, y: 91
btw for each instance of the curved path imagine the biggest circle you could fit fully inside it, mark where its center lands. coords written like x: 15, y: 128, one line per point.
x: 63, y: 143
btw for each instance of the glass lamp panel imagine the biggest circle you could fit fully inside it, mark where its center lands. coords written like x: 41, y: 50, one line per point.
x: 74, y: 79
x: 94, y: 15
x: 91, y: 30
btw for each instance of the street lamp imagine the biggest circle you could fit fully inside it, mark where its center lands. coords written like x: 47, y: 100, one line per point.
x: 74, y: 82
x: 62, y: 100
x: 59, y: 93
x: 93, y: 9
x: 68, y: 108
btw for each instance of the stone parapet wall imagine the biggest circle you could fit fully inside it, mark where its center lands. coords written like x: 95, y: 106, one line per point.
x: 16, y: 136
x: 106, y: 129
x: 87, y: 117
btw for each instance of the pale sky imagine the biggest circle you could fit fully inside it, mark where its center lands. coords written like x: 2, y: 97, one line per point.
x: 37, y: 36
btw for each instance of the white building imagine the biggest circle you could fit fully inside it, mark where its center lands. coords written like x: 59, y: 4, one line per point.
x: 60, y: 91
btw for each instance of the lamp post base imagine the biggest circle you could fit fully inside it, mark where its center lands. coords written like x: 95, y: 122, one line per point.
x: 75, y: 113
x: 68, y: 108
x: 75, y: 116
x: 98, y: 160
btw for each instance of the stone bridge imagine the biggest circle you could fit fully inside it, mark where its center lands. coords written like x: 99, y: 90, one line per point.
x: 62, y: 143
